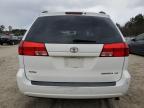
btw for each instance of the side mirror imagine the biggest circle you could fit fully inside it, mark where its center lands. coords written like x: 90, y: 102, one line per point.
x: 133, y: 39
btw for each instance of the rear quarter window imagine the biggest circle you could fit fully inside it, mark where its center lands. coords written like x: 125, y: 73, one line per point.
x: 65, y: 29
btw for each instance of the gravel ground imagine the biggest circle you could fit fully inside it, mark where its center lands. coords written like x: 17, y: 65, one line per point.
x: 10, y: 97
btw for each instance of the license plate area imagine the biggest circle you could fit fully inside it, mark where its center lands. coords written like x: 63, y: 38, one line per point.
x: 74, y: 62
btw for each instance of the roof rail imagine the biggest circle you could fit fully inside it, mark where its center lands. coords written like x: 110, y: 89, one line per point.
x: 44, y: 12
x: 102, y: 12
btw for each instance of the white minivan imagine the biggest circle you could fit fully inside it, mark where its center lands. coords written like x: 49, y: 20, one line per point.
x: 73, y: 55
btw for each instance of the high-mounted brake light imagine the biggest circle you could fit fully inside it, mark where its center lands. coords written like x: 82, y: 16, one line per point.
x: 115, y: 50
x: 73, y: 13
x: 32, y: 49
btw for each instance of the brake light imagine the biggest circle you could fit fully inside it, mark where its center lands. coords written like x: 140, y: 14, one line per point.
x: 73, y: 13
x: 32, y: 49
x: 115, y: 50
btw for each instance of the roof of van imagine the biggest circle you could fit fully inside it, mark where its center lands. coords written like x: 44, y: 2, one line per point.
x: 51, y: 13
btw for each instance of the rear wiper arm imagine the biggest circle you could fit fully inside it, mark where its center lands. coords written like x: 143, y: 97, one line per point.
x: 82, y: 40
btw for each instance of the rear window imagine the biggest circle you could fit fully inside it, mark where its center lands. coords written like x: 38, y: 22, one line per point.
x: 73, y: 30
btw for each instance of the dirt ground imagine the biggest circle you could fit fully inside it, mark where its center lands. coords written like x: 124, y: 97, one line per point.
x: 10, y: 97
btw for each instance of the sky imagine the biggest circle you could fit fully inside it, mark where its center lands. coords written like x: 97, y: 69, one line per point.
x: 21, y: 13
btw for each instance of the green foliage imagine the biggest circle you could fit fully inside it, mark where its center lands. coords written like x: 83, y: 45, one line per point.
x: 2, y: 27
x: 18, y: 32
x: 133, y: 27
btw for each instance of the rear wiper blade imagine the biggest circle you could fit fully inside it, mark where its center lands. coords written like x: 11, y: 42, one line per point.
x: 82, y: 40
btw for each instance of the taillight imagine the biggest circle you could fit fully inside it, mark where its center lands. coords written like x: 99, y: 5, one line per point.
x: 115, y: 50
x: 32, y: 49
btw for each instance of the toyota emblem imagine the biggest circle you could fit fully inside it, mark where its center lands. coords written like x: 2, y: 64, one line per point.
x: 74, y: 50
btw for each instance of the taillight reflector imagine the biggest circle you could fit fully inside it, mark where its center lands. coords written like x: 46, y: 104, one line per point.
x: 115, y: 50
x: 32, y: 49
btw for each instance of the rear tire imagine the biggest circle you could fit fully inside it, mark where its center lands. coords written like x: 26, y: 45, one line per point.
x: 117, y: 98
x: 13, y: 43
x: 1, y: 43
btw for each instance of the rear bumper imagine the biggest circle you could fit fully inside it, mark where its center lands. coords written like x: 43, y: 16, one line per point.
x: 27, y: 88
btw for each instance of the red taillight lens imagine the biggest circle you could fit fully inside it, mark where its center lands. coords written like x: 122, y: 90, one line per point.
x: 115, y: 50
x: 32, y: 49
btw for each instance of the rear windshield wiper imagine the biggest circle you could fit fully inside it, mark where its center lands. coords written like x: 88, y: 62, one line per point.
x: 83, y: 41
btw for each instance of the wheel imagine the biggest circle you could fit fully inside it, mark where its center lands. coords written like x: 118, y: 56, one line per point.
x: 13, y: 43
x: 117, y: 98
x: 1, y: 43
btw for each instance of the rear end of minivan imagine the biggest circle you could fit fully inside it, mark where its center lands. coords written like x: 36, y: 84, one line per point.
x: 73, y: 55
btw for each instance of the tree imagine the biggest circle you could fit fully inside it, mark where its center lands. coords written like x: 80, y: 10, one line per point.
x: 134, y: 26
x: 10, y: 28
x: 2, y: 27
x: 18, y: 32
